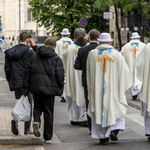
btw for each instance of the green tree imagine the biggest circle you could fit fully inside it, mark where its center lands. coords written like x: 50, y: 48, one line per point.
x: 61, y: 14
x: 138, y: 8
x: 124, y: 5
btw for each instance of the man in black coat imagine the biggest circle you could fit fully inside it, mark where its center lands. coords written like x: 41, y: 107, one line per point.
x: 80, y: 63
x: 15, y: 61
x: 44, y: 77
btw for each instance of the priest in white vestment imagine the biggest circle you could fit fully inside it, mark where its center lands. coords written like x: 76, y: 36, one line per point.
x: 108, y: 77
x: 15, y: 42
x: 73, y: 87
x: 130, y: 51
x: 143, y: 69
x: 61, y: 48
x: 6, y: 44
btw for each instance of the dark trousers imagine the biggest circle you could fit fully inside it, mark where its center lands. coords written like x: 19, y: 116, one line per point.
x: 30, y: 98
x: 44, y: 104
x: 87, y: 103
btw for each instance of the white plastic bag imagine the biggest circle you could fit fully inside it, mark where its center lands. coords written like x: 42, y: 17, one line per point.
x: 22, y: 109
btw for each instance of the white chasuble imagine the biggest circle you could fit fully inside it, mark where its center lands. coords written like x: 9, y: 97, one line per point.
x: 130, y: 51
x: 143, y: 74
x: 62, y: 46
x: 73, y: 85
x: 76, y: 113
x: 108, y: 77
x: 146, y: 119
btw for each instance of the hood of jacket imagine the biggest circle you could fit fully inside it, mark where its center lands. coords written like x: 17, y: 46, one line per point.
x: 17, y: 51
x: 46, y: 51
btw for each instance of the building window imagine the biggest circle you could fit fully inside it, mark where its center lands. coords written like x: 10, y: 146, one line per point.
x: 29, y: 16
x: 33, y: 19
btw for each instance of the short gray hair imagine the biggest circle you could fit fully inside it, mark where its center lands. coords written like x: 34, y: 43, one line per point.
x: 79, y: 32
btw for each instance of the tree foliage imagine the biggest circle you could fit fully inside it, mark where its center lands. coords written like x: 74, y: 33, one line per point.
x: 138, y: 7
x: 61, y: 14
x: 145, y: 6
x: 125, y: 5
x: 104, y: 5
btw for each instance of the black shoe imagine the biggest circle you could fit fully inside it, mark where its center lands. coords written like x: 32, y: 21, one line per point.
x: 14, y: 127
x: 28, y: 132
x: 134, y: 97
x: 113, y: 137
x: 63, y: 100
x: 103, y: 143
x: 83, y: 123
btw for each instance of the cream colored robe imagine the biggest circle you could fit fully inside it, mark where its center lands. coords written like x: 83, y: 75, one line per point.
x: 73, y: 85
x: 6, y: 44
x: 143, y: 74
x: 130, y: 51
x: 62, y: 45
x: 15, y: 42
x: 108, y: 77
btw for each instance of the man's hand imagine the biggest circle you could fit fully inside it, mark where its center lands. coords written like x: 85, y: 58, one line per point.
x: 32, y: 43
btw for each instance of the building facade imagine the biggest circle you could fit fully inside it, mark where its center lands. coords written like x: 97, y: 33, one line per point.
x: 113, y: 31
x: 16, y: 17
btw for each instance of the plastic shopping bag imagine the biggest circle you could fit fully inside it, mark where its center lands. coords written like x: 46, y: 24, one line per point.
x: 22, y: 109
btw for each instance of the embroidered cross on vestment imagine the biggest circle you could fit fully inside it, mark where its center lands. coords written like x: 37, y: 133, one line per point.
x: 104, y: 58
x: 134, y: 49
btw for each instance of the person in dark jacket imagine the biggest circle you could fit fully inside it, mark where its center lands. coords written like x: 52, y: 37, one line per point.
x: 80, y: 63
x: 15, y: 61
x: 44, y: 77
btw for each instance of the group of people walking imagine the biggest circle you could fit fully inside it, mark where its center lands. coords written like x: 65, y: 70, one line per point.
x: 91, y: 77
x: 7, y: 43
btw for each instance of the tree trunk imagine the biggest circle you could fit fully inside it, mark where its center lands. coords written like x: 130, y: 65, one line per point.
x: 118, y: 29
x: 72, y: 29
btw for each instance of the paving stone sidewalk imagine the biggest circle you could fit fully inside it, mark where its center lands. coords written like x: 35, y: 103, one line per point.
x: 7, y: 137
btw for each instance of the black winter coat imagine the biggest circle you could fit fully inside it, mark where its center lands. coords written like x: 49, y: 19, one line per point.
x: 15, y: 61
x: 44, y: 74
x: 80, y: 62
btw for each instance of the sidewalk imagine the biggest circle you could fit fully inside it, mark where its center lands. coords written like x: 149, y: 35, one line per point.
x: 7, y: 137
x: 7, y: 101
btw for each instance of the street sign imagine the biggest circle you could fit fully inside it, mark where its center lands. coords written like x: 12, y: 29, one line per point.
x: 0, y: 29
x: 83, y: 22
x: 1, y: 41
x: 108, y: 15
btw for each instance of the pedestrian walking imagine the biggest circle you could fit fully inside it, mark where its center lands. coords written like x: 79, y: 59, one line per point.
x: 143, y: 67
x: 80, y: 63
x: 130, y: 51
x: 108, y: 77
x: 15, y: 61
x: 44, y: 77
x: 14, y: 42
x: 61, y: 48
x: 13, y: 38
x: 73, y: 84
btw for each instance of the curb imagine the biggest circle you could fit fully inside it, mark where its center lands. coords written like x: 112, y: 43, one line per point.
x: 20, y: 141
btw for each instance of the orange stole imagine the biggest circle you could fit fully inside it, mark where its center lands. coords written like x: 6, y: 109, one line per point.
x: 75, y: 51
x: 134, y: 49
x: 104, y: 58
x: 65, y: 46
